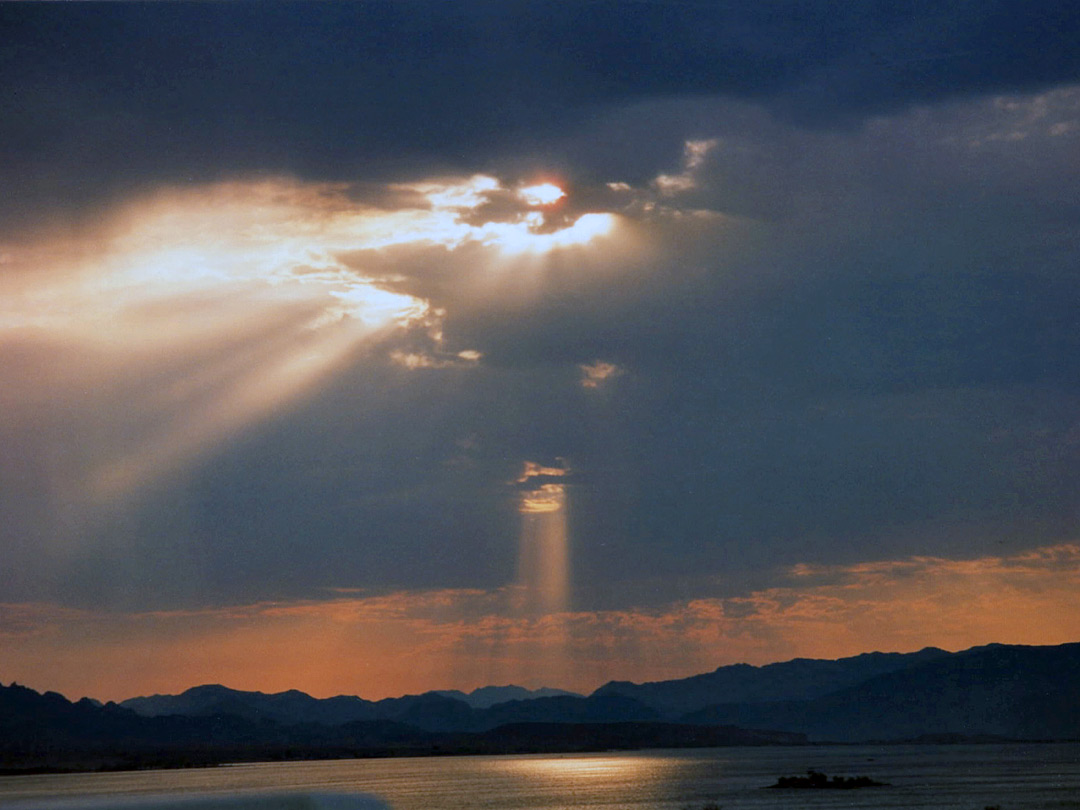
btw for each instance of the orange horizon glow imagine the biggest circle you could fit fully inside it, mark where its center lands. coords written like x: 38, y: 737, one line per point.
x: 409, y: 642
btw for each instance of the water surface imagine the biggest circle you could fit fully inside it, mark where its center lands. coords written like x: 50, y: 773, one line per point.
x: 961, y: 777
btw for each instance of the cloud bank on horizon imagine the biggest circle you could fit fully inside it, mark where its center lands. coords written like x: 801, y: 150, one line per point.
x: 558, y: 341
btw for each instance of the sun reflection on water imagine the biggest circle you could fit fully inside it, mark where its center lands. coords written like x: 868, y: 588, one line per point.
x: 562, y: 771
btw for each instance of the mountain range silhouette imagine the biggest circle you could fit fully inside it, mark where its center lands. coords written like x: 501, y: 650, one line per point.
x: 984, y: 693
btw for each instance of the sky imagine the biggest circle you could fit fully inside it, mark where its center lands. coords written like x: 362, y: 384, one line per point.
x: 378, y: 347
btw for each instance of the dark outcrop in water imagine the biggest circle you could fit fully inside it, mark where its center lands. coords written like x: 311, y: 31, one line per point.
x: 815, y: 780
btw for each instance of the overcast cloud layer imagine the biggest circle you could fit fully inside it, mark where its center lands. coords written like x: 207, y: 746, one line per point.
x: 292, y: 326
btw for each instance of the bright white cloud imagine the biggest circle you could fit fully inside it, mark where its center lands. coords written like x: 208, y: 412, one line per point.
x: 542, y: 194
x: 455, y: 217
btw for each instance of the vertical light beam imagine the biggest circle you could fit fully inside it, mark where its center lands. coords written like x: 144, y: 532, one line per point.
x: 544, y: 556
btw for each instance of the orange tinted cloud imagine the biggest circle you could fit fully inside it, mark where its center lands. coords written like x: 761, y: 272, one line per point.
x: 596, y: 373
x: 392, y: 644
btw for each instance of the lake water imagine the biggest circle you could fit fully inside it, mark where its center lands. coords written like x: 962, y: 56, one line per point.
x: 966, y: 777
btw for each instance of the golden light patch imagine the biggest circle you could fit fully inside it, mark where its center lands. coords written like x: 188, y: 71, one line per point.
x: 548, y: 498
x: 531, y: 469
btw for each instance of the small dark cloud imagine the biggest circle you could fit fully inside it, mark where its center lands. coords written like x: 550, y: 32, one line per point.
x: 386, y: 196
x: 500, y: 205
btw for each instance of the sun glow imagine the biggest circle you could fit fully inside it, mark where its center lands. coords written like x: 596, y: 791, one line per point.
x: 454, y: 205
x: 543, y: 194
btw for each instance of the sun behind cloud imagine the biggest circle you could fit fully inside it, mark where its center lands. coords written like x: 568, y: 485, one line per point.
x: 542, y: 194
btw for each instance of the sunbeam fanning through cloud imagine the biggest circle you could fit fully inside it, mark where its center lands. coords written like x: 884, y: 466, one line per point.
x: 241, y: 299
x: 229, y: 296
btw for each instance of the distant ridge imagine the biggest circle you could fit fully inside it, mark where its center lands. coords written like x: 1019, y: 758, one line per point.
x: 487, y: 696
x: 292, y: 706
x: 431, y: 711
x: 435, y: 711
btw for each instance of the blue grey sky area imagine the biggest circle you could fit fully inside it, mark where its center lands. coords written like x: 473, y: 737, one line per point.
x: 848, y: 329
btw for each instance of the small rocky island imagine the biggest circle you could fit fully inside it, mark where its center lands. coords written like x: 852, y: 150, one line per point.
x: 815, y: 780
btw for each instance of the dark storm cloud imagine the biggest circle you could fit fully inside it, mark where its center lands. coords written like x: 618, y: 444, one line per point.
x: 927, y: 250
x: 105, y: 97
x: 852, y: 333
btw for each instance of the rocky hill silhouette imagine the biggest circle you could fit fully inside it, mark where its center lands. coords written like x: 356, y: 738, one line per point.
x: 996, y: 691
x: 798, y: 679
